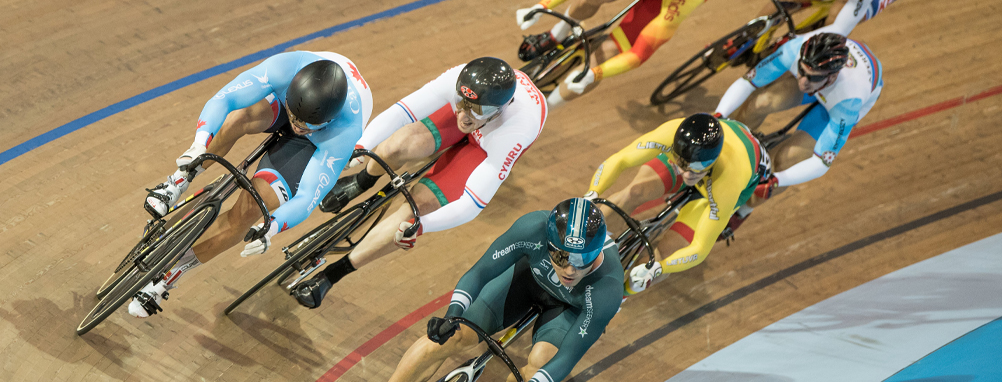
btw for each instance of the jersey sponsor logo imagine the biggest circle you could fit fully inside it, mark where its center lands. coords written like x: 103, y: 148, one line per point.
x: 510, y: 161
x: 222, y: 93
x: 714, y: 210
x: 673, y: 9
x: 324, y: 181
x: 262, y: 79
x: 682, y: 260
x: 598, y: 175
x: 859, y: 5
x: 468, y: 93
x: 356, y: 75
x: 528, y: 85
x: 535, y: 246
x: 589, y: 311
x: 353, y: 103
x: 653, y: 145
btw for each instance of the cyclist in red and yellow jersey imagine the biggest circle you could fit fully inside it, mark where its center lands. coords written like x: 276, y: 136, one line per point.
x: 647, y: 26
x: 719, y: 157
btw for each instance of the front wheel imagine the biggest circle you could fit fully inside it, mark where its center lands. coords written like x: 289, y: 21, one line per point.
x: 167, y: 252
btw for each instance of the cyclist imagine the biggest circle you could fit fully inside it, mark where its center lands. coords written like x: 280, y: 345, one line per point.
x: 561, y: 261
x: 321, y: 103
x: 841, y: 75
x: 719, y: 157
x: 647, y: 26
x: 488, y: 113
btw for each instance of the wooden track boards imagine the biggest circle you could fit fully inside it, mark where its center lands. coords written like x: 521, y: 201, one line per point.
x: 71, y: 208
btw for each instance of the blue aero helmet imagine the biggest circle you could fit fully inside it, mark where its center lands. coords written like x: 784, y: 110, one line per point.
x: 575, y: 232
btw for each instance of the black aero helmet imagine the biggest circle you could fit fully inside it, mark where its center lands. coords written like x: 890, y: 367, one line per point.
x: 317, y: 92
x: 576, y: 232
x: 486, y: 85
x: 697, y: 142
x: 825, y: 52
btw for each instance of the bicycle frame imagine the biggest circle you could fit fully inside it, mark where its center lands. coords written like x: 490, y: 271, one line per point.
x: 495, y: 347
x: 652, y: 228
x: 783, y: 16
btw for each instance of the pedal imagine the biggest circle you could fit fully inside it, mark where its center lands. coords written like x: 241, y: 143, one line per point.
x: 306, y: 272
x: 149, y: 303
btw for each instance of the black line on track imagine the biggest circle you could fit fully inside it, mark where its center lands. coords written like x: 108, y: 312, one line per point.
x: 743, y: 292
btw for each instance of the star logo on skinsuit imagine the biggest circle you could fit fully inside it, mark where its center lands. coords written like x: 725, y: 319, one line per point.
x: 357, y: 76
x: 200, y: 124
x: 537, y: 246
x: 262, y: 79
x: 582, y: 332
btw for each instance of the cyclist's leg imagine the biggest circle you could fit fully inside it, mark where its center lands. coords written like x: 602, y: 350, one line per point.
x: 379, y: 242
x: 550, y: 329
x: 424, y: 357
x: 654, y: 179
x: 541, y: 353
x: 679, y: 235
x: 412, y: 142
x: 780, y: 95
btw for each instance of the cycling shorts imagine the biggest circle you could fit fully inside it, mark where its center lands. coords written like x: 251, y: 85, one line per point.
x: 447, y: 178
x: 506, y: 299
x: 286, y: 159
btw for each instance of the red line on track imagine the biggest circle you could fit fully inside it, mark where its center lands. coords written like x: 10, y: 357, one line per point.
x: 398, y: 327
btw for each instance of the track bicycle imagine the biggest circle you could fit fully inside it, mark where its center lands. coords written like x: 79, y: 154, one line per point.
x: 165, y: 241
x: 341, y: 233
x: 548, y: 68
x: 472, y: 369
x: 745, y: 46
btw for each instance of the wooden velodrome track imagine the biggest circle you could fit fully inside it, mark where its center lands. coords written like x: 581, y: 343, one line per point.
x: 71, y: 208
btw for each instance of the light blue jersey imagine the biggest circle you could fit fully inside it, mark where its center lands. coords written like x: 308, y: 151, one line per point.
x: 335, y: 140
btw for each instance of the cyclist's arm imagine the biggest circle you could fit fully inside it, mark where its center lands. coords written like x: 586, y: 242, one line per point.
x: 607, y: 294
x: 637, y: 153
x: 549, y: 4
x: 412, y: 108
x: 767, y: 71
x: 842, y: 118
x: 654, y: 34
x: 245, y: 90
x: 482, y: 184
x: 498, y: 258
x: 722, y: 195
x: 320, y: 174
x: 853, y: 13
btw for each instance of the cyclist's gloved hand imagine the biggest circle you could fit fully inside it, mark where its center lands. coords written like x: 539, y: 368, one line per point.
x: 764, y: 189
x: 641, y: 277
x: 356, y: 160
x: 406, y: 242
x: 521, y: 13
x: 591, y: 195
x: 579, y: 87
x: 440, y: 330
x: 194, y: 151
x: 261, y: 245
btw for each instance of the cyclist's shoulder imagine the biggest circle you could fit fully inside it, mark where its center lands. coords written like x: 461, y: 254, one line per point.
x: 664, y: 133
x: 533, y: 219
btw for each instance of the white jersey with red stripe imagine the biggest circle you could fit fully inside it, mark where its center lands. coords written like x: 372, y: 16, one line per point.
x: 504, y: 140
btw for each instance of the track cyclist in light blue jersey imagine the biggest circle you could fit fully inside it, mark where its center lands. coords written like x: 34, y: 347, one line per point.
x: 841, y: 75
x: 319, y: 101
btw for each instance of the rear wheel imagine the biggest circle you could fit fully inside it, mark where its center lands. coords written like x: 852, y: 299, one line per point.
x: 167, y: 251
x: 731, y: 50
x: 153, y: 232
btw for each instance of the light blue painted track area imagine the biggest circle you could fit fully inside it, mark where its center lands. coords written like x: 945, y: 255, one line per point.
x: 936, y: 320
x: 975, y: 357
x: 121, y: 106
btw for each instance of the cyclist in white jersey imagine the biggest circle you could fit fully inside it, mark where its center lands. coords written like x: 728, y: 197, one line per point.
x: 484, y: 112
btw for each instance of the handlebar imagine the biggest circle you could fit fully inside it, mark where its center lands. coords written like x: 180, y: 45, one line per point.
x: 241, y: 180
x: 789, y: 19
x: 634, y: 225
x: 492, y: 344
x: 576, y: 29
x: 398, y: 182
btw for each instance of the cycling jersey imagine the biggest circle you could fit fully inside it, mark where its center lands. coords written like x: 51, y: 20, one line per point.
x: 730, y: 183
x: 844, y: 102
x: 502, y: 140
x: 591, y: 303
x: 334, y: 142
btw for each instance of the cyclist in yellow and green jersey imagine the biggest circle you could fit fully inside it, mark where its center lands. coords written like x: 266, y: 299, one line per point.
x: 719, y: 157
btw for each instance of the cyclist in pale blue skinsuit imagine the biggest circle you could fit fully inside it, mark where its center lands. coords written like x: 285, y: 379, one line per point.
x: 321, y: 102
x: 841, y: 75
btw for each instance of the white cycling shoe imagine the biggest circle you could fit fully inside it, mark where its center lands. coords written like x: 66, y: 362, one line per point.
x: 163, y: 196
x: 147, y: 301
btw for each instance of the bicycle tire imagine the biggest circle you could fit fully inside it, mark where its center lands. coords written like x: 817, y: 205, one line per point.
x: 129, y: 261
x: 547, y: 72
x: 339, y: 222
x: 165, y: 254
x: 713, y: 59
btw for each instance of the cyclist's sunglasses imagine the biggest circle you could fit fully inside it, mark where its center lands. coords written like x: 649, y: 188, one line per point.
x: 480, y: 112
x: 811, y: 77
x: 301, y: 124
x: 563, y: 258
x: 697, y: 167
